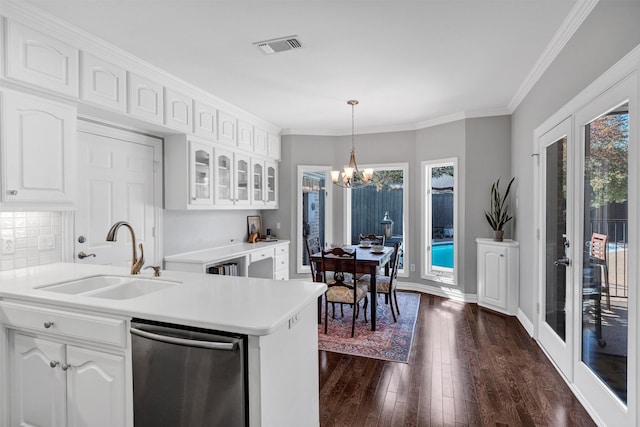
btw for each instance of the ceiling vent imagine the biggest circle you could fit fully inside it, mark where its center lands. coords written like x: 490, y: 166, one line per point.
x: 279, y: 45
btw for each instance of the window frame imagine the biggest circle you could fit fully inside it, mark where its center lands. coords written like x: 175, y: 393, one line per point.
x: 328, y: 223
x: 346, y: 232
x: 426, y: 270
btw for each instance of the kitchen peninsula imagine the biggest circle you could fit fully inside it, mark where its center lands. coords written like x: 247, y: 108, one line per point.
x: 79, y: 363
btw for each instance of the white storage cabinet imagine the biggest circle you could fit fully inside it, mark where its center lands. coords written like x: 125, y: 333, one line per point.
x: 498, y: 275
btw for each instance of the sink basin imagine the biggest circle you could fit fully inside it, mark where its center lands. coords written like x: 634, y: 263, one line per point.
x: 110, y: 287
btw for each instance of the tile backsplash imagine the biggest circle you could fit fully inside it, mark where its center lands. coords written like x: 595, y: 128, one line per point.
x: 30, y: 238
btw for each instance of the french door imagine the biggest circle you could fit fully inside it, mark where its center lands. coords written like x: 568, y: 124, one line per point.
x: 556, y: 270
x: 588, y: 234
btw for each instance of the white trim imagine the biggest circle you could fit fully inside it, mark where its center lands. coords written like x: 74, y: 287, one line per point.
x: 525, y: 322
x: 581, y: 9
x: 441, y: 291
x: 425, y: 236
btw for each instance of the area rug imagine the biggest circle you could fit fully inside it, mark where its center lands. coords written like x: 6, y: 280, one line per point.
x: 391, y: 341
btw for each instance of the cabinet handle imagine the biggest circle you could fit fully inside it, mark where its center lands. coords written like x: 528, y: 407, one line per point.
x: 47, y: 325
x: 54, y: 363
x: 64, y: 366
x: 13, y: 192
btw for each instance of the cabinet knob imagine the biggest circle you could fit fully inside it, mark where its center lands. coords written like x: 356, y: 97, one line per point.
x: 47, y: 325
x: 54, y: 363
x: 64, y: 366
x: 13, y: 192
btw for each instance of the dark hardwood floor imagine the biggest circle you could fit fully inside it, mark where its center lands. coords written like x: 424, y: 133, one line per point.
x: 468, y: 367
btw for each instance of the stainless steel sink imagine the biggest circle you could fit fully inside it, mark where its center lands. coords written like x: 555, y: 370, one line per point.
x: 110, y: 287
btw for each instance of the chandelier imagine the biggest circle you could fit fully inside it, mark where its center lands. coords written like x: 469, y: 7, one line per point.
x: 350, y: 172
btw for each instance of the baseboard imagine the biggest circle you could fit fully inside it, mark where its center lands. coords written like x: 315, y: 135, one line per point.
x: 525, y: 322
x: 441, y: 291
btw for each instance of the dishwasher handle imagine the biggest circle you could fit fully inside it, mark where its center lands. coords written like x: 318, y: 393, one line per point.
x: 212, y: 345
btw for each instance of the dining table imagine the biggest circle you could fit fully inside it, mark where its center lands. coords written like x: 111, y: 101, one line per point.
x: 368, y: 261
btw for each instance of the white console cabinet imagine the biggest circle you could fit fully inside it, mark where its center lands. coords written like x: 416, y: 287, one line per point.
x: 498, y: 275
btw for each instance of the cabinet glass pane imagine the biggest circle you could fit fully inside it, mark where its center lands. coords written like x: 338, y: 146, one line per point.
x: 242, y: 180
x: 224, y: 177
x: 257, y: 182
x: 202, y: 174
x: 271, y: 184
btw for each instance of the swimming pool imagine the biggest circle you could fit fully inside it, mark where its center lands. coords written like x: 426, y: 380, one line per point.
x: 442, y: 254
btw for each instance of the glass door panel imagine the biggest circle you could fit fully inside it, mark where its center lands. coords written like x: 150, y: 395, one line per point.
x: 606, y: 259
x: 313, y: 210
x: 201, y: 171
x: 242, y: 179
x: 223, y: 181
x: 556, y: 261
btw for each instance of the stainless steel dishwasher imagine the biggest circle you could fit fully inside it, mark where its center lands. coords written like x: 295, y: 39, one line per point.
x: 188, y: 377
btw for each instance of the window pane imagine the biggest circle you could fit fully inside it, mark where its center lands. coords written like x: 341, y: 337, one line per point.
x: 313, y: 209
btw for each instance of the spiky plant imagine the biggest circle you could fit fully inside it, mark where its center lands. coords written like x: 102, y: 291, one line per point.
x: 498, y: 216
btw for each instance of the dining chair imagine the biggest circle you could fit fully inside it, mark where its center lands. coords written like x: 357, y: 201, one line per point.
x: 387, y: 284
x: 312, y: 245
x: 598, y: 259
x: 373, y: 238
x: 340, y: 291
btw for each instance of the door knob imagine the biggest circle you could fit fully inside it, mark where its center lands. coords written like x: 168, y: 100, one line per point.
x: 562, y: 261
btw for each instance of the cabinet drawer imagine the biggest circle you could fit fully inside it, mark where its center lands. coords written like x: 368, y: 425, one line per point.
x: 281, y: 262
x: 69, y: 324
x: 282, y: 249
x: 261, y: 254
x: 281, y: 275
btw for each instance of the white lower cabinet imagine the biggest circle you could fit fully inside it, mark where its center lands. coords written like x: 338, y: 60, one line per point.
x: 65, y: 368
x: 55, y: 384
x: 498, y: 275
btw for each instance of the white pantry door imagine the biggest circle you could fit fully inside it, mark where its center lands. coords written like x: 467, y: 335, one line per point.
x: 117, y: 182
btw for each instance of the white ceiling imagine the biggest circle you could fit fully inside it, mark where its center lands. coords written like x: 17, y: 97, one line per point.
x: 407, y: 62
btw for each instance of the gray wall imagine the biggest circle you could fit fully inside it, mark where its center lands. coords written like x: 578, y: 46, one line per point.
x: 609, y: 32
x: 487, y: 139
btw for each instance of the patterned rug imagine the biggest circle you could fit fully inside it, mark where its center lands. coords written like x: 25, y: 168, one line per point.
x: 391, y: 341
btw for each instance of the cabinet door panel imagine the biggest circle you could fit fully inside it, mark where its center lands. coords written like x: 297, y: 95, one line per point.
x: 40, y: 149
x: 260, y: 141
x: 224, y: 177
x: 201, y: 171
x: 145, y: 99
x: 227, y: 127
x: 38, y: 391
x: 271, y: 184
x: 96, y: 389
x: 245, y: 135
x: 273, y: 149
x: 257, y: 183
x: 242, y: 172
x: 177, y: 110
x: 205, y: 120
x: 41, y: 60
x: 103, y: 83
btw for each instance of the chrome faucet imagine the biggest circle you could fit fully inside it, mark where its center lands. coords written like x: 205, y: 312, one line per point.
x: 136, y: 263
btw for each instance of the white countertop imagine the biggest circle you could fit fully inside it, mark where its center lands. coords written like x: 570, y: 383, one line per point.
x: 223, y: 252
x: 235, y: 304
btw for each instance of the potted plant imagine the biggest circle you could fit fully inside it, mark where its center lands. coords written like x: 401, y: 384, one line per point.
x: 498, y: 215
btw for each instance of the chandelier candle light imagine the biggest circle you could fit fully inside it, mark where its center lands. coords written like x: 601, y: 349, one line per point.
x: 351, y: 171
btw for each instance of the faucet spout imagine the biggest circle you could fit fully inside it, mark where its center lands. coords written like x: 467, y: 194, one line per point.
x: 136, y: 263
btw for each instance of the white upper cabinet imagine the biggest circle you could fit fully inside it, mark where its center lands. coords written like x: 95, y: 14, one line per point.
x: 145, y: 99
x: 245, y: 135
x: 177, y: 110
x: 260, y: 141
x: 39, y: 147
x: 273, y: 146
x: 103, y: 83
x: 227, y: 128
x: 205, y: 120
x: 35, y: 58
x: 271, y: 184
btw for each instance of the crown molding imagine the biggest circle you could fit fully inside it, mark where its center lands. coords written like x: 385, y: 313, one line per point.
x: 489, y: 112
x: 36, y: 18
x: 567, y: 29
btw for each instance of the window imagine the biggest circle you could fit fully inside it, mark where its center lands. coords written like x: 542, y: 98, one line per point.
x: 365, y: 208
x: 314, y: 210
x: 440, y: 219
